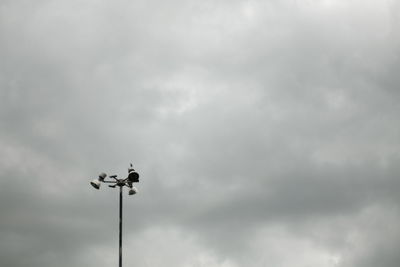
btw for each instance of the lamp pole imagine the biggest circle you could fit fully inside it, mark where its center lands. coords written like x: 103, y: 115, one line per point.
x: 120, y: 226
x: 133, y: 177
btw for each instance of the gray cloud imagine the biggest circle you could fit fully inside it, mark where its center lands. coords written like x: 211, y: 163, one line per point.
x: 260, y: 129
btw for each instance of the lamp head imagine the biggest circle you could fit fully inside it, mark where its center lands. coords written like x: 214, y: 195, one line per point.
x: 95, y: 183
x: 133, y: 191
x: 133, y: 176
x: 102, y: 176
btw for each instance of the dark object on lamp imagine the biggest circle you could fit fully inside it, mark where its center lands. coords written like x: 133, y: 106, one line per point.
x: 133, y: 176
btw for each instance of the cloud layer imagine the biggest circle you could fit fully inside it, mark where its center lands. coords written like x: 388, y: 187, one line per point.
x: 266, y: 132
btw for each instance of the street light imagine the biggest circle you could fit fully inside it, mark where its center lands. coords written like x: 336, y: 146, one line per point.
x: 133, y: 177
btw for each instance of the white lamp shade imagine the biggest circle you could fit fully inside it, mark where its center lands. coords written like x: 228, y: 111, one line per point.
x: 95, y: 183
x: 133, y: 191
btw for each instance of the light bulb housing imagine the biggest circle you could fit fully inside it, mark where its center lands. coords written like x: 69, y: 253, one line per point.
x: 133, y: 176
x: 133, y: 191
x: 102, y: 176
x: 95, y: 183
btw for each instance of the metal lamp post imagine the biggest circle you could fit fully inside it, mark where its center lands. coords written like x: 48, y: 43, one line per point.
x: 133, y: 177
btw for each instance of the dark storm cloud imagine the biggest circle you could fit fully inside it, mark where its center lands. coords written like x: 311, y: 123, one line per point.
x: 258, y: 128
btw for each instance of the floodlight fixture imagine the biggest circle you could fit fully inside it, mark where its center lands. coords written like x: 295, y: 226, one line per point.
x: 133, y: 177
x: 102, y: 176
x: 95, y: 183
x: 133, y: 191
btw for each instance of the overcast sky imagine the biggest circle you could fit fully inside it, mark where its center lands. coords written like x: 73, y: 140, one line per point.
x: 266, y: 133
